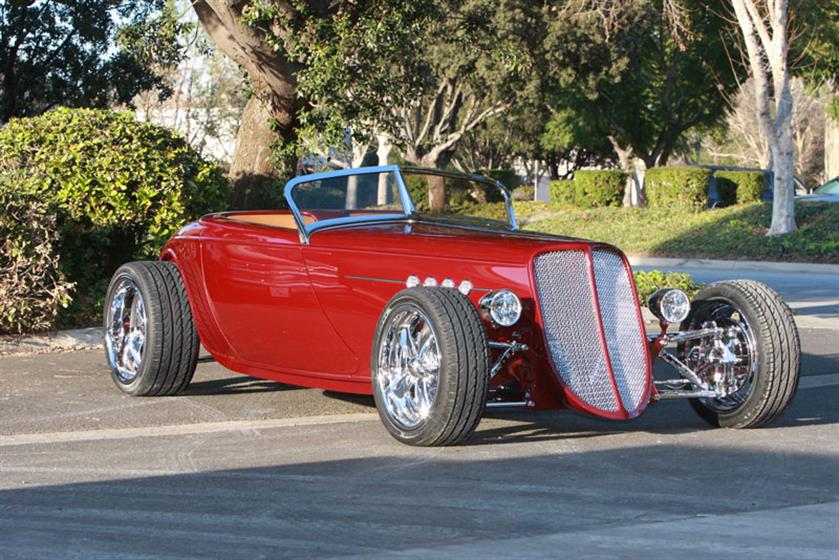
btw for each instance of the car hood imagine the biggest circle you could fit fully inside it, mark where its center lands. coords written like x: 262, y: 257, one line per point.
x: 442, y: 241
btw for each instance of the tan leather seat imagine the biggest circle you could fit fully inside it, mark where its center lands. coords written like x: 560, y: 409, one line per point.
x: 272, y: 219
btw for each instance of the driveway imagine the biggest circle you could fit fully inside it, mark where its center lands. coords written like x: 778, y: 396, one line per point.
x: 243, y: 468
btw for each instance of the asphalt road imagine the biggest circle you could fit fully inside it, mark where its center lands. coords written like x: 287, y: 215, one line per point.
x: 243, y: 468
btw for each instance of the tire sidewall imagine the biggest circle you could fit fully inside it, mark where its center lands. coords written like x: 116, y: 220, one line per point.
x: 762, y: 381
x: 142, y: 381
x: 429, y: 429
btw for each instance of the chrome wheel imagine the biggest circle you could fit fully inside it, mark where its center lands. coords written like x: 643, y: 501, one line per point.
x: 125, y: 334
x: 728, y: 364
x: 408, y: 366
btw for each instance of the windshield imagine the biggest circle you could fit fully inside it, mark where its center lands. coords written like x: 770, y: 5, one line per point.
x: 341, y: 197
x: 458, y: 199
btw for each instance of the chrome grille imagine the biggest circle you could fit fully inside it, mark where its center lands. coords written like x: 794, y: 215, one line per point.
x: 572, y: 327
x: 621, y: 327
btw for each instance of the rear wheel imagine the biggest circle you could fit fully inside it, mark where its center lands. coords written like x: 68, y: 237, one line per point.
x: 151, y: 343
x: 761, y: 336
x: 430, y: 367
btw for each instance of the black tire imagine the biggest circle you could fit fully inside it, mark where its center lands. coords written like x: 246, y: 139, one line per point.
x: 777, y: 345
x: 463, y: 372
x: 170, y: 348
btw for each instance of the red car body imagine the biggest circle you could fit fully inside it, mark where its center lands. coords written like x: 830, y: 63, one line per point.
x: 266, y: 304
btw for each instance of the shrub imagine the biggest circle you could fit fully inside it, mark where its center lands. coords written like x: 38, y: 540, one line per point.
x: 119, y: 188
x: 595, y: 188
x: 32, y: 287
x: 677, y: 186
x: 507, y: 177
x: 524, y: 192
x: 740, y: 187
x: 562, y: 192
x: 649, y: 282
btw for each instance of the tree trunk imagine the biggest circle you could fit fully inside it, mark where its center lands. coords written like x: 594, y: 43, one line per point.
x: 437, y: 199
x: 770, y: 45
x: 630, y: 194
x: 382, y: 153
x: 783, y: 168
x: 251, y: 171
x: 271, y: 76
x: 359, y: 152
x: 831, y: 148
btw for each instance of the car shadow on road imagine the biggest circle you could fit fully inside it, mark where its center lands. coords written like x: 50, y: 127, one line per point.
x: 811, y: 406
x: 238, y: 384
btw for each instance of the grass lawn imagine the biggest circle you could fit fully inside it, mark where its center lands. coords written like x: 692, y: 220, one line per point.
x: 735, y: 233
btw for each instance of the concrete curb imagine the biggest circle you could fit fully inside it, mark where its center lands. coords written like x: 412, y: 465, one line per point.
x: 75, y: 339
x: 761, y: 266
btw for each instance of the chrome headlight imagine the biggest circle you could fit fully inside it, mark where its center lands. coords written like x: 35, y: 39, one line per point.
x: 503, y: 307
x: 670, y: 305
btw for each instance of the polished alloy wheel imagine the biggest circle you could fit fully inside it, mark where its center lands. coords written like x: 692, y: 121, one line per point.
x: 409, y: 366
x: 734, y: 382
x: 125, y: 335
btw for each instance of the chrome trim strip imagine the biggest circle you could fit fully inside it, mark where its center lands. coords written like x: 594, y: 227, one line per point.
x: 388, y: 280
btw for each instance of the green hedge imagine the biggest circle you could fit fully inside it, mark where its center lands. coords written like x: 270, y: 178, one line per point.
x: 594, y: 188
x: 562, y: 192
x: 740, y: 187
x: 677, y: 186
x: 118, y: 187
x: 590, y: 188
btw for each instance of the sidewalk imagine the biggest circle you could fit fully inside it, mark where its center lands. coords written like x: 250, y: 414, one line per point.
x: 759, y: 266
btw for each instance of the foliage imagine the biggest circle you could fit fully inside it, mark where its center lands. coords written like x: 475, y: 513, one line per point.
x: 524, y: 192
x: 352, y: 59
x: 84, y: 53
x: 562, y: 192
x: 207, y: 93
x: 418, y: 188
x: 507, y: 177
x: 598, y: 187
x: 740, y: 187
x: 686, y: 187
x: 648, y: 282
x: 120, y: 187
x: 32, y: 287
x: 642, y: 71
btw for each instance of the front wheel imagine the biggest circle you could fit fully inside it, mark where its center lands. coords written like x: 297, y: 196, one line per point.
x: 759, y: 378
x: 151, y: 343
x: 430, y: 367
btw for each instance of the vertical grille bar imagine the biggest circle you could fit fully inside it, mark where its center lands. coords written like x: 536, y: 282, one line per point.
x: 623, y: 332
x: 572, y: 325
x: 572, y: 329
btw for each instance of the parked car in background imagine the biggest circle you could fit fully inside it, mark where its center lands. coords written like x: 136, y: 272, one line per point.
x: 828, y: 192
x: 389, y: 281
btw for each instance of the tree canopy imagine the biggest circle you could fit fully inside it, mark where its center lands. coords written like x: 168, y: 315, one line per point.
x: 85, y: 53
x: 646, y: 74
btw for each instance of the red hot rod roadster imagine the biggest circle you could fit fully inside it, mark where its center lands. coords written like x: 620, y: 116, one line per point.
x: 387, y: 280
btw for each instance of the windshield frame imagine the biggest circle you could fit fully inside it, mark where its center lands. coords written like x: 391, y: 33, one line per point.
x: 409, y: 211
x: 511, y: 215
